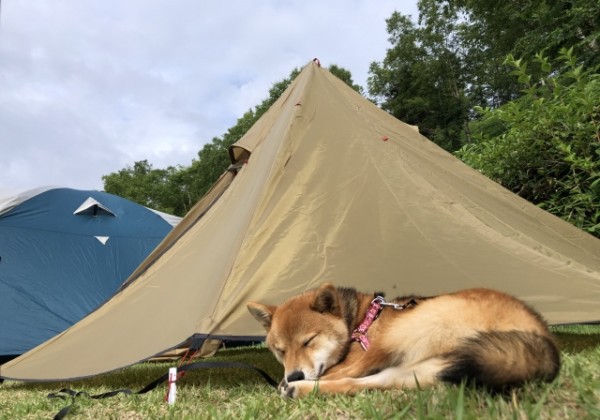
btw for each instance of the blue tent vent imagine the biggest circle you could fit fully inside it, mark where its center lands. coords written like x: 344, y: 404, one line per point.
x: 91, y: 207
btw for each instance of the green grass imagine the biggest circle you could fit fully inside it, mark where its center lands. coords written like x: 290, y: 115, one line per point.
x: 240, y: 394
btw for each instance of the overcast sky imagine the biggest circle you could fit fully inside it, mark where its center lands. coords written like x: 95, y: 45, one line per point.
x: 88, y: 87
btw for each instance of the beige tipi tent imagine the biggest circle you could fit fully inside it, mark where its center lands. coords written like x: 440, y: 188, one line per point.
x: 327, y: 187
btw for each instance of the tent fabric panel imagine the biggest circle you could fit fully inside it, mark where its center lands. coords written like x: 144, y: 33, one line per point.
x: 48, y: 282
x: 195, y: 214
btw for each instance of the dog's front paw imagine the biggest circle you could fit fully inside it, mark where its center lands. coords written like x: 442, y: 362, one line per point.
x: 296, y: 389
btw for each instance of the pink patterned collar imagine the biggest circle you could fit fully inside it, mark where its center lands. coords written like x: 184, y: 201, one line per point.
x: 377, y: 304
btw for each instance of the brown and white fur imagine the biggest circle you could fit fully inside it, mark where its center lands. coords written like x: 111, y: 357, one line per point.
x: 481, y: 336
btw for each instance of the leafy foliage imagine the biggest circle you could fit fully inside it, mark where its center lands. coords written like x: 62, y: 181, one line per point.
x: 438, y: 70
x: 545, y: 146
x: 146, y: 185
x: 535, y: 25
x: 345, y: 76
x: 421, y: 79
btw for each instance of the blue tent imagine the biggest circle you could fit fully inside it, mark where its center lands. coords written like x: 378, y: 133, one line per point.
x: 63, y: 252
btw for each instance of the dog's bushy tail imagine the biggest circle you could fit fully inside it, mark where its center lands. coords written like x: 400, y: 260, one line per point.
x: 502, y: 360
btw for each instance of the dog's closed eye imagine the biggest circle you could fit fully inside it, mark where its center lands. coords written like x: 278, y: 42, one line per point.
x: 307, y: 342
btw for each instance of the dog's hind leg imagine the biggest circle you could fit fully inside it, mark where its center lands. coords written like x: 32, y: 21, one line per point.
x: 421, y: 374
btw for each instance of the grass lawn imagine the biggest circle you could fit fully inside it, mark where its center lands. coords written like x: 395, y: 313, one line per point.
x: 241, y: 394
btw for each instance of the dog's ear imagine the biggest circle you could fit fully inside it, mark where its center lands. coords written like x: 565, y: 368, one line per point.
x: 327, y: 300
x: 262, y: 313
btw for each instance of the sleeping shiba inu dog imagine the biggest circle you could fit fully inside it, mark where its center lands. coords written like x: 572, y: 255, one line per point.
x: 337, y: 340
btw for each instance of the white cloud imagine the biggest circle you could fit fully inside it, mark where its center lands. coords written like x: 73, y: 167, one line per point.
x: 88, y: 87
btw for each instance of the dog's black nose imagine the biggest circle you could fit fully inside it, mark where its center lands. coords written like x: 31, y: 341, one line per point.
x: 296, y: 375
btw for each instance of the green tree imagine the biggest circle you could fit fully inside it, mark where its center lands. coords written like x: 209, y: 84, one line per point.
x: 524, y: 28
x: 147, y: 186
x: 545, y: 146
x: 438, y: 70
x: 420, y: 81
x: 345, y: 76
